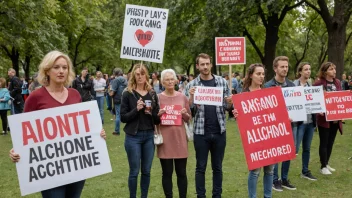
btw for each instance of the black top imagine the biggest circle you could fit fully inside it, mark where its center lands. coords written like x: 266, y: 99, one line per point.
x: 145, y: 120
x: 130, y: 115
x: 84, y: 88
x: 330, y: 86
x: 211, y: 122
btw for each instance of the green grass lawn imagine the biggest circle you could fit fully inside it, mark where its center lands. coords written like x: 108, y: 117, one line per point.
x: 234, y: 168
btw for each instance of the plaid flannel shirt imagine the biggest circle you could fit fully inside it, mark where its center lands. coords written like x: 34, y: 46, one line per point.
x: 220, y: 110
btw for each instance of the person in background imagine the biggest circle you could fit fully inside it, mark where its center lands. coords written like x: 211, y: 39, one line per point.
x: 344, y: 83
x: 254, y: 81
x: 181, y: 82
x: 190, y: 77
x: 349, y: 80
x: 4, y: 104
x: 25, y: 91
x: 327, y: 130
x: 240, y: 82
x: 15, y: 89
x: 99, y: 87
x: 174, y: 150
x: 83, y: 85
x: 305, y: 130
x: 209, y: 126
x: 107, y: 95
x: 234, y: 84
x: 117, y: 87
x: 35, y: 84
x: 157, y: 86
x: 140, y: 121
x: 55, y: 74
x: 280, y: 66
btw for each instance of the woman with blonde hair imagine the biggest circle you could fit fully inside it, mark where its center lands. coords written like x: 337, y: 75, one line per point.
x: 55, y: 74
x: 139, y: 110
x: 174, y: 150
x: 4, y: 104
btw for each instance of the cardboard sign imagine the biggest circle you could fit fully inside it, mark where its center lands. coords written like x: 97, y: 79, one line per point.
x: 315, y: 99
x: 295, y: 103
x: 58, y: 146
x: 172, y: 116
x: 230, y: 50
x: 209, y: 96
x: 265, y: 127
x: 338, y: 105
x: 144, y: 33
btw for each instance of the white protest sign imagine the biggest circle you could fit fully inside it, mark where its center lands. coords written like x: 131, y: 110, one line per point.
x: 58, y: 146
x: 144, y: 33
x: 295, y: 103
x: 209, y: 96
x: 314, y: 99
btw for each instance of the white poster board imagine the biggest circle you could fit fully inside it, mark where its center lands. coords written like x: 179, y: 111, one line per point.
x: 209, y: 96
x: 295, y: 103
x: 315, y: 99
x: 144, y: 33
x: 58, y: 146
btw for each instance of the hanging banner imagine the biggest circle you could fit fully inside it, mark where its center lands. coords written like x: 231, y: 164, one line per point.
x: 209, y: 96
x: 295, y: 103
x: 144, y: 33
x: 172, y: 116
x: 265, y: 127
x: 315, y: 99
x: 58, y: 146
x: 338, y: 105
x: 230, y: 50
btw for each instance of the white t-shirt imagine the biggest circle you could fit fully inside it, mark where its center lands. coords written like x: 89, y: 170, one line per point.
x: 99, y: 85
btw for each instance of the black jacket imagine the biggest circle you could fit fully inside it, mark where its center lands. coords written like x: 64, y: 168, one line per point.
x: 15, y: 89
x: 84, y: 88
x: 129, y: 113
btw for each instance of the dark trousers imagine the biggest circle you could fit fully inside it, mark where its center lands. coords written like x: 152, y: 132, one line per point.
x: 327, y: 139
x: 3, y: 114
x: 167, y: 166
x: 215, y: 143
x: 73, y: 190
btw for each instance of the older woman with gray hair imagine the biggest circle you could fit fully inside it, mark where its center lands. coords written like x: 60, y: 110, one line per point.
x: 174, y: 149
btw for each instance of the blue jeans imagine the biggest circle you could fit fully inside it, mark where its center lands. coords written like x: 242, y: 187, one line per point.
x: 294, y: 132
x: 305, y: 135
x: 100, y: 101
x: 285, y: 166
x: 140, y: 153
x: 267, y: 181
x: 108, y: 101
x: 73, y: 190
x: 117, y: 121
x: 215, y: 143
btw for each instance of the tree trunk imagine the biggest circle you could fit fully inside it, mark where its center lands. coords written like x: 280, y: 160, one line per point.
x: 27, y: 62
x: 271, y: 39
x: 15, y: 56
x: 336, y: 47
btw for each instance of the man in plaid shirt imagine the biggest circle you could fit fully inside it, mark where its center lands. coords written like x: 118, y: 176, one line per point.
x: 209, y: 126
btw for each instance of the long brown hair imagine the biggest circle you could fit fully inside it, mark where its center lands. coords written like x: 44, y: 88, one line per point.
x: 132, y: 83
x: 323, y: 68
x: 300, y: 68
x: 248, y: 80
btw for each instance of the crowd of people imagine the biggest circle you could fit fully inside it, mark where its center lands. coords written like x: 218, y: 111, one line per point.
x: 137, y: 98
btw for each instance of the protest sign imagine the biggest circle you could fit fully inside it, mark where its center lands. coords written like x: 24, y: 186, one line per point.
x: 264, y: 126
x: 295, y: 103
x: 315, y: 99
x: 172, y: 116
x: 209, y: 96
x: 338, y: 105
x: 230, y: 50
x: 58, y: 146
x: 144, y: 33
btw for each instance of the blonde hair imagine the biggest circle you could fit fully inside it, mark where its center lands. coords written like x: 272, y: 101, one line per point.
x: 48, y: 62
x: 132, y: 83
x: 2, y: 82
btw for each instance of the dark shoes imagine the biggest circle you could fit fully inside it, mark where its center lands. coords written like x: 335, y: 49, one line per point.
x: 308, y: 175
x: 115, y: 133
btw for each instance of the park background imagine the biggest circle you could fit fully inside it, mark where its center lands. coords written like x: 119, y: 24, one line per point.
x: 235, y: 172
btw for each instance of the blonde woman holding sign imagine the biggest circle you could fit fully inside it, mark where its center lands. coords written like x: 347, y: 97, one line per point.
x: 254, y: 81
x: 174, y: 150
x: 55, y: 74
